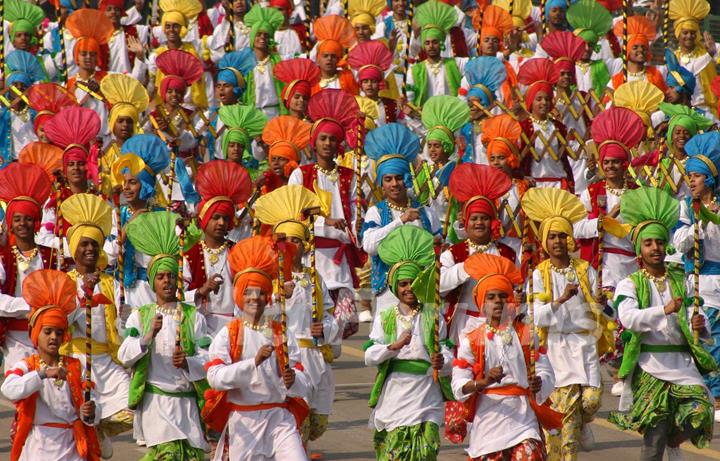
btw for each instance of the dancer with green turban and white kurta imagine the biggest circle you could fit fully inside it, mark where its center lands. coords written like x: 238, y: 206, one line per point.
x: 165, y: 345
x: 243, y: 123
x: 407, y: 402
x: 664, y: 396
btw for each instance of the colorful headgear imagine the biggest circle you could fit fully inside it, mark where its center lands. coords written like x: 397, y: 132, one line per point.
x: 22, y: 67
x: 407, y: 250
x: 254, y: 263
x: 180, y: 68
x: 640, y: 96
x: 550, y: 4
x: 334, y: 34
x: 47, y: 99
x: 24, y: 187
x: 299, y: 76
x: 500, y: 134
x: 435, y: 20
x: 261, y: 19
x: 89, y: 216
x: 565, y: 48
x: 144, y: 156
x: 687, y: 15
x: 365, y: 12
x: 153, y: 233
x: 179, y: 12
x: 394, y: 148
x: 47, y: 156
x: 484, y: 74
x: 651, y: 212
x: 557, y: 210
x: 703, y: 151
x: 492, y: 272
x: 521, y: 10
x: 23, y: 17
x: 678, y: 77
x: 223, y: 186
x: 287, y: 137
x: 684, y: 116
x: 91, y: 29
x: 616, y: 131
x: 126, y: 95
x: 70, y: 5
x: 244, y: 123
x: 103, y: 5
x: 284, y: 210
x: 52, y: 296
x: 539, y: 75
x: 286, y: 5
x: 496, y: 22
x: 234, y: 66
x: 72, y: 129
x: 590, y: 20
x: 443, y: 115
x: 478, y: 188
x: 640, y: 30
x: 370, y: 60
x: 333, y: 112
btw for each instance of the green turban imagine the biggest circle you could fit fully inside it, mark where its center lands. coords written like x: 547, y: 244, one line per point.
x: 153, y: 233
x: 685, y: 117
x: 442, y: 115
x: 406, y: 250
x: 651, y: 212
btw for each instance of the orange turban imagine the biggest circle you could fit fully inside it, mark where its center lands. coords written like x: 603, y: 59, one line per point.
x: 492, y: 273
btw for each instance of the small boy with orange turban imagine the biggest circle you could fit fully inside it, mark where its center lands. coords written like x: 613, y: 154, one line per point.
x: 640, y: 34
x: 47, y: 386
x: 334, y: 35
x: 505, y: 393
x: 264, y: 386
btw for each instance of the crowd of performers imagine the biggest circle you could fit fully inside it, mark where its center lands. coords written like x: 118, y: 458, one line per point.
x: 202, y: 202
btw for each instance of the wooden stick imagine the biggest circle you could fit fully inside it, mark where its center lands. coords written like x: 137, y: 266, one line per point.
x: 696, y: 264
x: 317, y: 311
x: 63, y: 50
x: 2, y: 42
x: 59, y: 223
x: 357, y: 153
x: 121, y: 250
x: 602, y: 209
x: 87, y: 301
x: 281, y: 298
x: 438, y: 307
x: 666, y: 23
x: 230, y: 44
x: 308, y: 23
x: 406, y: 58
x: 180, y: 285
x: 626, y: 8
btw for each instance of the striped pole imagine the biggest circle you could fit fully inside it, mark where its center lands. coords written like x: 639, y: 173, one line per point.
x: 88, y: 343
x: 63, y: 51
x: 438, y: 306
x: 626, y: 8
x: 121, y: 250
x: 281, y: 298
x: 602, y: 206
x: 529, y: 295
x: 543, y: 24
x: 230, y: 45
x: 358, y: 177
x: 59, y: 224
x: 696, y: 264
x: 666, y: 23
x: 2, y: 38
x: 180, y: 286
x: 316, y: 310
x: 308, y: 22
x: 406, y: 59
x: 478, y: 45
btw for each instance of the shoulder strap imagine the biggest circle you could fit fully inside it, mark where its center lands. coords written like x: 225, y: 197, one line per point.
x: 236, y: 334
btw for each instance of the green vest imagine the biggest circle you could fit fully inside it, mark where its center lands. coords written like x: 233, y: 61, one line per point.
x: 416, y: 367
x: 188, y: 341
x: 633, y: 346
x: 600, y: 77
x: 249, y: 95
x: 420, y: 83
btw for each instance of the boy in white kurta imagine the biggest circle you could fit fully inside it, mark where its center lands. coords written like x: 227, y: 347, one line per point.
x: 53, y: 418
x: 664, y: 391
x: 407, y: 402
x: 573, y: 327
x: 164, y: 345
x: 505, y: 397
x: 258, y: 365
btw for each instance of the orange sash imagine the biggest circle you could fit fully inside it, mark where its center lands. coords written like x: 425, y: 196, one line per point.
x: 546, y: 416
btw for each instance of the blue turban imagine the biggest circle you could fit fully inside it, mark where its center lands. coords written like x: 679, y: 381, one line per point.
x: 156, y: 156
x: 393, y: 147
x: 550, y: 4
x: 234, y: 66
x: 678, y: 77
x: 704, y: 156
x: 24, y: 68
x: 485, y: 75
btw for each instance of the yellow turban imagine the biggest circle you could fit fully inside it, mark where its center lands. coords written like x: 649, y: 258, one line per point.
x: 179, y: 12
x: 365, y: 12
x: 687, y: 14
x: 556, y: 210
x: 126, y: 95
x: 89, y: 216
x: 283, y: 209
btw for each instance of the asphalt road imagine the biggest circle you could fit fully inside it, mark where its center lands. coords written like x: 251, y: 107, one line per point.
x: 349, y: 438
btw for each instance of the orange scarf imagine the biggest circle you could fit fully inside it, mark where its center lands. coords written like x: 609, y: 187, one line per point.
x: 85, y: 437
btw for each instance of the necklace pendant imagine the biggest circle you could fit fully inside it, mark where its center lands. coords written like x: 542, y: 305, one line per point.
x: 571, y: 277
x: 684, y: 59
x: 333, y: 177
x: 23, y: 265
x: 214, y: 259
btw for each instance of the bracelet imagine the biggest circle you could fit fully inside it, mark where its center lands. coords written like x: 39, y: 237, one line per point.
x: 42, y: 374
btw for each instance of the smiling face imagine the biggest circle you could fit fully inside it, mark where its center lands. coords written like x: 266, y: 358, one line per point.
x: 363, y: 32
x: 436, y: 152
x: 114, y: 13
x: 680, y: 136
x: 688, y: 39
x: 23, y: 227
x: 638, y: 53
x: 76, y: 172
x: 173, y: 98
x: 394, y: 189
x: 652, y: 252
x: 299, y: 102
x: 87, y: 252
x: 131, y: 189
x: 254, y: 301
x: 613, y: 168
x: 697, y: 184
x: 405, y: 293
x: 479, y: 228
x: 541, y: 105
x: 172, y: 31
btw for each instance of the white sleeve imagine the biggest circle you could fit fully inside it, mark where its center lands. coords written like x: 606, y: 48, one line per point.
x: 374, y: 235
x: 378, y: 352
x: 633, y: 318
x: 228, y: 375
x: 452, y: 275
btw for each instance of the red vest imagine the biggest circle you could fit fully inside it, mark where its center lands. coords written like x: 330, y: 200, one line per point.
x: 390, y: 110
x: 345, y: 177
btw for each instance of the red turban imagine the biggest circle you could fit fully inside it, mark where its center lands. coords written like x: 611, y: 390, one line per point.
x: 534, y: 89
x: 479, y: 205
x: 26, y: 206
x: 118, y: 3
x: 329, y: 126
x: 171, y: 81
x: 284, y: 4
x: 370, y: 72
x: 296, y: 86
x: 215, y: 205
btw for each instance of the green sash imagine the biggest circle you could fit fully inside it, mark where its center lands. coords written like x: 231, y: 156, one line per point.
x: 703, y: 360
x: 419, y: 71
x: 415, y: 367
x: 138, y: 385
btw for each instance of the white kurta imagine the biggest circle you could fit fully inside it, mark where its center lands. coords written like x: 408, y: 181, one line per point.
x: 23, y: 132
x: 270, y: 433
x: 501, y: 421
x: 437, y: 83
x: 683, y: 241
x: 572, y: 351
x: 288, y: 43
x: 54, y: 405
x: 160, y: 418
x: 615, y: 266
x: 266, y: 97
x: 120, y: 60
x: 407, y: 399
x: 335, y: 275
x: 17, y: 343
x: 656, y: 328
x: 112, y: 381
x: 319, y: 374
x: 219, y: 308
